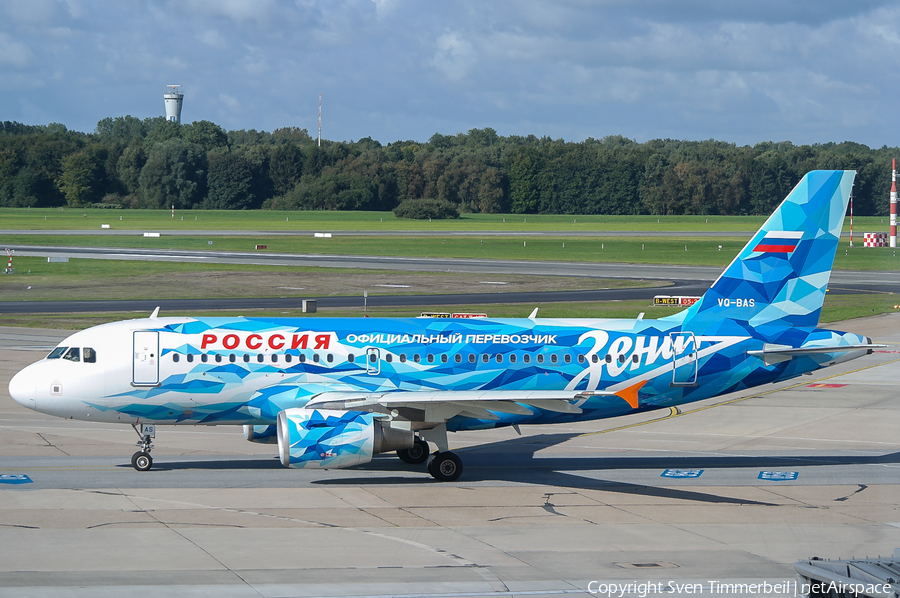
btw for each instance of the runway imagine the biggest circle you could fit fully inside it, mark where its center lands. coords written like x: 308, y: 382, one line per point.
x: 168, y: 305
x: 809, y: 467
x: 875, y: 279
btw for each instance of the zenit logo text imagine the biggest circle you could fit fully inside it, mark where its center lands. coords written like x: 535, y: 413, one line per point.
x: 276, y: 342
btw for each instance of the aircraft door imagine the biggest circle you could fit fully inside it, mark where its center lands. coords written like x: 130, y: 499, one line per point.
x: 684, y: 358
x: 145, y: 371
x: 373, y: 361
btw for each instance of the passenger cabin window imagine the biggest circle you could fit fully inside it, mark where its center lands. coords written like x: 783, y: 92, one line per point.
x: 512, y: 357
x: 204, y: 358
x: 90, y: 356
x: 540, y: 358
x: 351, y: 357
x: 218, y: 359
x: 553, y: 358
x: 246, y: 358
x: 190, y: 357
x: 57, y: 353
x: 232, y: 358
x: 526, y: 358
x: 316, y: 357
x: 403, y: 358
x: 73, y: 354
x: 175, y: 357
x: 443, y: 358
x: 389, y: 358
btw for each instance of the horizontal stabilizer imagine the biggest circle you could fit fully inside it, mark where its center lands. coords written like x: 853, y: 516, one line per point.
x: 773, y: 354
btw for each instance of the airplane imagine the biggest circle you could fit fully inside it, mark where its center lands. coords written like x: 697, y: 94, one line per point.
x: 333, y: 392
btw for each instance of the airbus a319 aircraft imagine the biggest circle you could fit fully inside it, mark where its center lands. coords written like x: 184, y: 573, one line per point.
x: 333, y: 392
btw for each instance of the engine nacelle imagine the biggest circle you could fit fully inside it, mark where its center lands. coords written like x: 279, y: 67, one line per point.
x: 328, y: 438
x: 261, y: 434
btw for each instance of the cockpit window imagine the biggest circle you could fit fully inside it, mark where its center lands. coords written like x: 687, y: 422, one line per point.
x: 73, y: 354
x: 57, y: 353
x: 90, y: 356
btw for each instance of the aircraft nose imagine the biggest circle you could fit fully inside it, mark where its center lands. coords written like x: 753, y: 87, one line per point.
x: 21, y: 389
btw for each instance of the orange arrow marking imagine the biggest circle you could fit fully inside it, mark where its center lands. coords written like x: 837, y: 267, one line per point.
x: 630, y: 394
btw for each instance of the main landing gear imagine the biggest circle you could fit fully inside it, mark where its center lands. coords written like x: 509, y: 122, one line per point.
x: 141, y: 460
x: 416, y: 455
x: 443, y: 466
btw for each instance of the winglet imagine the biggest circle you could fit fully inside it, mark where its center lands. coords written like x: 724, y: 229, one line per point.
x: 155, y: 313
x: 630, y: 394
x: 533, y: 314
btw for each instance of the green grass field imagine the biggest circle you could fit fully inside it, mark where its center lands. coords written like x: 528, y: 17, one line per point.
x: 325, y: 221
x: 38, y: 280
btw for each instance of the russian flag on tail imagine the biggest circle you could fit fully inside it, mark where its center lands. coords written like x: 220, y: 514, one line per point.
x: 779, y: 241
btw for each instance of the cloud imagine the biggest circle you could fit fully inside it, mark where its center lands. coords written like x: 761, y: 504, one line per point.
x: 453, y: 56
x: 212, y: 37
x: 238, y: 11
x: 402, y: 69
x: 31, y: 12
x: 14, y: 53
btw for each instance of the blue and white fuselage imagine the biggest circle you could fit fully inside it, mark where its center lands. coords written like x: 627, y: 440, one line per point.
x: 182, y: 371
x: 335, y: 391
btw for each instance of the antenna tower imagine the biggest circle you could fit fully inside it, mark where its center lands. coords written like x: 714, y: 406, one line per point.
x: 893, y: 222
x: 320, y: 119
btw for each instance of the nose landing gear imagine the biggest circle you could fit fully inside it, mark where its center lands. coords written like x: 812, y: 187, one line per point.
x: 141, y: 460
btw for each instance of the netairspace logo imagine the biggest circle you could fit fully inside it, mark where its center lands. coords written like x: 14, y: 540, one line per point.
x: 721, y: 588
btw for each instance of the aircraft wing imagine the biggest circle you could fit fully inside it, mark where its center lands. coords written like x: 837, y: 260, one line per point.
x: 441, y: 405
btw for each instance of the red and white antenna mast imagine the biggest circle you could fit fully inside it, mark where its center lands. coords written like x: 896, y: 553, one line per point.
x: 320, y: 119
x: 893, y: 239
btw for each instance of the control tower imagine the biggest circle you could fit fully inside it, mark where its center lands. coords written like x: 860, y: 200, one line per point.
x: 174, y: 100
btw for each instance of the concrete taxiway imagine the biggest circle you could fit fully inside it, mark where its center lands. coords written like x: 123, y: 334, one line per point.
x: 730, y: 490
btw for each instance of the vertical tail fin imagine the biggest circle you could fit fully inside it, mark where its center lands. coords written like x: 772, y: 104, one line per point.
x: 780, y: 277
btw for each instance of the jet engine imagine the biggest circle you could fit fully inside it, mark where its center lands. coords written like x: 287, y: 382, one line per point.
x: 329, y: 438
x: 261, y: 434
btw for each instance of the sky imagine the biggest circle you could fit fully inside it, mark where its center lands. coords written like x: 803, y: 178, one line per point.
x: 805, y: 71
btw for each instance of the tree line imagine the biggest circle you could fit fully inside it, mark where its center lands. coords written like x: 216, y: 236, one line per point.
x: 154, y: 163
